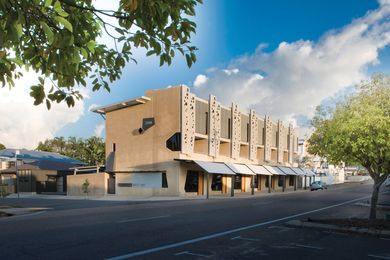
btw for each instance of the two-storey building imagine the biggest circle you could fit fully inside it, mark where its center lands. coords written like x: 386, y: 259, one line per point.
x: 172, y: 143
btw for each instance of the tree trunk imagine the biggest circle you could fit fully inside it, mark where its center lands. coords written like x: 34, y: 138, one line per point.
x: 374, y: 199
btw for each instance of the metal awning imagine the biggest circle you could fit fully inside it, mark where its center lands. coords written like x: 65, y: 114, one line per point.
x: 120, y: 105
x: 287, y: 170
x: 240, y: 168
x: 274, y: 170
x: 214, y: 168
x: 298, y: 171
x: 308, y: 172
x: 258, y: 169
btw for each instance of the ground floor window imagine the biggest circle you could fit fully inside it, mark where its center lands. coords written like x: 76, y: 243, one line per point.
x: 280, y: 181
x: 256, y: 181
x: 216, y: 183
x: 192, y: 181
x: 267, y: 181
x: 237, y: 181
x: 291, y: 180
x: 164, y: 180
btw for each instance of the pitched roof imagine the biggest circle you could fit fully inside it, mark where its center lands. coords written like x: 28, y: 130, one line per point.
x: 31, y: 155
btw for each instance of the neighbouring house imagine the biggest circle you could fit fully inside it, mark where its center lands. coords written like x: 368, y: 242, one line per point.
x: 172, y: 143
x: 324, y: 171
x: 38, y: 172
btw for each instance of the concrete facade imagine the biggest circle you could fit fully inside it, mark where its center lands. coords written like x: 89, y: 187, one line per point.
x: 158, y: 159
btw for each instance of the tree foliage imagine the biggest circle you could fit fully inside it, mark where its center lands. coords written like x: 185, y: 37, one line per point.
x: 358, y: 131
x: 58, y: 39
x: 2, y: 147
x: 90, y: 151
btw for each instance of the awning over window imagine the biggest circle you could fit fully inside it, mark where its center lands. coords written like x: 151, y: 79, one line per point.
x: 287, y: 170
x: 308, y: 172
x: 214, y: 168
x: 240, y: 168
x: 298, y: 171
x: 258, y: 169
x: 274, y: 170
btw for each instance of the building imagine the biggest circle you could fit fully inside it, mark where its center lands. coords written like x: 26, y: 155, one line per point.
x: 326, y: 172
x: 37, y: 171
x: 172, y: 143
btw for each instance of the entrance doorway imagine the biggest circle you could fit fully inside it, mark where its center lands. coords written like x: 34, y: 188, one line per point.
x: 194, y: 182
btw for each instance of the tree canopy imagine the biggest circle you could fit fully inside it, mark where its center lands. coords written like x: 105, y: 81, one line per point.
x: 2, y: 147
x: 90, y: 151
x: 58, y: 39
x: 358, y: 131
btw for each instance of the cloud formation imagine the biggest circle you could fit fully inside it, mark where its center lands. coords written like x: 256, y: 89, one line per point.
x: 99, y: 129
x: 293, y: 79
x: 23, y: 125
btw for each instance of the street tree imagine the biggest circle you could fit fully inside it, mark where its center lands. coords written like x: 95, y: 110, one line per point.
x: 2, y: 146
x: 357, y: 131
x: 58, y: 39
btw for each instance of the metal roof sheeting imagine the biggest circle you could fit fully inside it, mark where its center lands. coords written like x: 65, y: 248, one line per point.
x: 240, y: 168
x: 308, y: 172
x: 287, y: 170
x: 274, y: 170
x: 258, y: 169
x: 214, y: 168
x: 298, y: 171
x: 31, y: 156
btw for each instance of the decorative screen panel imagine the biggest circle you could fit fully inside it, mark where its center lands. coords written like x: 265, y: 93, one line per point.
x: 254, y: 125
x: 236, y: 131
x: 215, y: 126
x: 187, y: 121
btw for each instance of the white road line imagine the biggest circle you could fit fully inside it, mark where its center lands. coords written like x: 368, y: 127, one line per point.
x: 379, y: 256
x: 141, y: 219
x: 245, y: 238
x: 189, y: 253
x: 227, y: 232
x: 385, y: 238
x: 311, y: 247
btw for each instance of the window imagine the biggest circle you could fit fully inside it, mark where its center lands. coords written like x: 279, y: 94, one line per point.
x: 237, y: 182
x: 192, y: 181
x: 280, y: 181
x: 229, y: 128
x: 174, y: 142
x: 113, y: 147
x: 256, y: 181
x: 207, y: 123
x: 267, y: 181
x: 216, y: 183
x: 247, y: 132
x: 164, y: 180
x: 291, y: 180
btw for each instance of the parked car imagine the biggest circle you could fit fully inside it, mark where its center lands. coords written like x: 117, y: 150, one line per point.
x: 387, y: 183
x: 318, y: 185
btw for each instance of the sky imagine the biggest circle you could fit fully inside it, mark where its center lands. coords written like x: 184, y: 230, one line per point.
x: 281, y: 58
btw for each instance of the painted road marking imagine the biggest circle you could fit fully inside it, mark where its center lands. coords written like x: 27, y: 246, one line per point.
x: 189, y: 253
x: 227, y: 232
x: 307, y: 246
x: 141, y: 219
x: 379, y: 256
x: 245, y: 238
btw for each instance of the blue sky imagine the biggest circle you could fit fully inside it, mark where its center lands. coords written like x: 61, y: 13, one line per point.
x: 292, y: 33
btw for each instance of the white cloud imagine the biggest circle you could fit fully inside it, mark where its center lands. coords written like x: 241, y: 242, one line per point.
x: 99, y: 130
x: 23, y: 125
x: 294, y: 78
x: 93, y: 106
x: 200, y: 80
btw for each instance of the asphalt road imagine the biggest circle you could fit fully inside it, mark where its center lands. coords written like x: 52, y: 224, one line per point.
x: 220, y: 228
